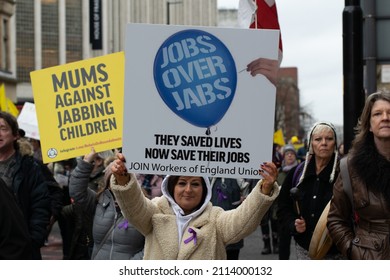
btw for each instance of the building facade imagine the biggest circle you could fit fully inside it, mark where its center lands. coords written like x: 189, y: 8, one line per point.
x: 37, y: 34
x: 287, y: 110
x: 7, y: 46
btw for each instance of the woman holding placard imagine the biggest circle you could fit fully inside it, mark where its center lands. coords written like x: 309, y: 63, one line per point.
x: 182, y: 223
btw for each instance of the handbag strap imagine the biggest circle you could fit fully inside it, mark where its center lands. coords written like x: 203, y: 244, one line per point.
x: 108, y: 233
x: 346, y: 178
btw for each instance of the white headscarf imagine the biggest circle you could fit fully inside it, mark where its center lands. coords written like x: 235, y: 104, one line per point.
x: 182, y: 220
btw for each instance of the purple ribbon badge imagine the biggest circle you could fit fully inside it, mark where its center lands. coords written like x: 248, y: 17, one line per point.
x: 192, y: 237
x: 124, y: 224
x: 221, y: 195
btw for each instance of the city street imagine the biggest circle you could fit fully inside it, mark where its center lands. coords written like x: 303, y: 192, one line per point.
x: 253, y: 245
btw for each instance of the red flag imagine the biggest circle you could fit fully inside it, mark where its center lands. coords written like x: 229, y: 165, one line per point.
x: 265, y: 16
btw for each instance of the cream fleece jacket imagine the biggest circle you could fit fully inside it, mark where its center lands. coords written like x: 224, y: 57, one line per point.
x: 214, y: 228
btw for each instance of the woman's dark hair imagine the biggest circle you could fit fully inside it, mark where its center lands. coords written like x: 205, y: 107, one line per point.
x: 13, y: 123
x: 172, y: 181
x: 366, y: 160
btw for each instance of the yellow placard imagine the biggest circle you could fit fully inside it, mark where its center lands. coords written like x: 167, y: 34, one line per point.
x: 80, y: 105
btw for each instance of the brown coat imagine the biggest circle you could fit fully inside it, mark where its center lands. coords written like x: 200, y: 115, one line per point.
x: 369, y: 238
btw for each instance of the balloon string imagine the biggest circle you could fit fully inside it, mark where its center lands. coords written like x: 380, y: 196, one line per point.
x: 208, y: 132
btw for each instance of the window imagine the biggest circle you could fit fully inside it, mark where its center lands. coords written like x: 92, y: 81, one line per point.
x: 25, y: 39
x: 4, y: 45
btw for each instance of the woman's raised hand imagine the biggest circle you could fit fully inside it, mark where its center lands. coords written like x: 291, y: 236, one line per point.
x: 119, y: 170
x: 270, y: 173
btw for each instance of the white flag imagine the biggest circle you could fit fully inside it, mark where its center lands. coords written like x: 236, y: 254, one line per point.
x: 246, y: 13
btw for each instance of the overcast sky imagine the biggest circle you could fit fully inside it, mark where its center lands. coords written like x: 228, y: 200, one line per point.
x: 312, y: 42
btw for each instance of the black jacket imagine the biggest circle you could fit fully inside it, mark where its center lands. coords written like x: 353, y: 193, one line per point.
x: 15, y: 242
x: 316, y: 192
x: 31, y: 190
x: 227, y: 195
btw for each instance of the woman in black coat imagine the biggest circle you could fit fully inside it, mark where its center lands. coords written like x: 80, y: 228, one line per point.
x: 314, y: 182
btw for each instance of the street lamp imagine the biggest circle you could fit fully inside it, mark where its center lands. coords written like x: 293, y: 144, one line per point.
x: 169, y: 3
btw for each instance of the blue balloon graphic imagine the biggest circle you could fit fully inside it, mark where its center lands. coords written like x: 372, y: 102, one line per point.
x: 196, y: 76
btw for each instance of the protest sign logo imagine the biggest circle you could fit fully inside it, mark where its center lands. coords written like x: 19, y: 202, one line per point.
x: 195, y: 75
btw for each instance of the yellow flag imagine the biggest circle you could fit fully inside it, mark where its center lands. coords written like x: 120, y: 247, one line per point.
x: 6, y: 104
x: 11, y: 108
x: 3, y: 99
x: 278, y: 138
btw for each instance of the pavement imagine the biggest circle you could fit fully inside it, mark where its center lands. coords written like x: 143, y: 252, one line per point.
x: 53, y: 249
x: 253, y: 245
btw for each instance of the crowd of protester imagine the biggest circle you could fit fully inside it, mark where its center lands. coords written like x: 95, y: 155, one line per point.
x: 92, y: 198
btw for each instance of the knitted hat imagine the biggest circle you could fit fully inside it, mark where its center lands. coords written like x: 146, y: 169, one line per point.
x: 21, y: 132
x: 289, y: 148
x: 317, y: 127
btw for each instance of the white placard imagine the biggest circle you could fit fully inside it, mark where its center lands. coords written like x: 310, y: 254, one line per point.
x: 27, y: 121
x: 190, y: 106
